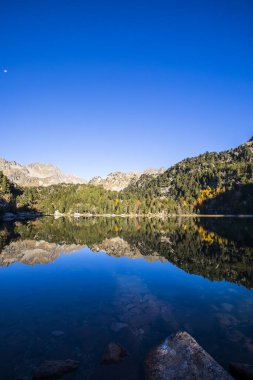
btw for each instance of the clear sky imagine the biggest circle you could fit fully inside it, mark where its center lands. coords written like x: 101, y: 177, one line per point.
x: 98, y: 86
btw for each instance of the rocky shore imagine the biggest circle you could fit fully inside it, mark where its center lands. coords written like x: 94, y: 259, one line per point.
x: 27, y: 215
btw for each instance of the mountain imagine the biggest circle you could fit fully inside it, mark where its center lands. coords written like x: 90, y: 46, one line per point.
x: 36, y: 174
x: 118, y: 181
x: 196, y: 180
x: 211, y: 183
x: 39, y: 174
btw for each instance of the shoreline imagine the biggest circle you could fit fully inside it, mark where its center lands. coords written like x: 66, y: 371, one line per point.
x: 154, y: 215
x: 30, y: 215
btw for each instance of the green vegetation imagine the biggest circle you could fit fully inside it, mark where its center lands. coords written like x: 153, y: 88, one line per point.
x: 196, y: 184
x: 210, y: 183
x: 89, y: 199
x: 8, y: 194
x: 5, y: 185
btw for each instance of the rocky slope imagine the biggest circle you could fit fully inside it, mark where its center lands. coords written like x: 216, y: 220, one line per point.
x: 36, y: 174
x: 39, y: 174
x: 118, y: 181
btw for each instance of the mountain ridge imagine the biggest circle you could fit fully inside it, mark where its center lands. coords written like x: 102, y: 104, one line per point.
x: 212, y: 164
x: 211, y: 183
x: 36, y: 174
x: 117, y: 181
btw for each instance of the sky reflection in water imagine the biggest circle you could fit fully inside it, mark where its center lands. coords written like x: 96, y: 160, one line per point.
x: 156, y: 278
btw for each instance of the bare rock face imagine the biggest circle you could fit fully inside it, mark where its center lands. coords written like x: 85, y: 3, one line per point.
x: 53, y: 369
x: 36, y: 174
x: 180, y: 357
x: 40, y: 174
x: 241, y: 371
x: 250, y: 144
x: 118, y: 181
x: 113, y: 353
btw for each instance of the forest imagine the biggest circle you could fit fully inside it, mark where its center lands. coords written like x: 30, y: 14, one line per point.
x: 216, y: 183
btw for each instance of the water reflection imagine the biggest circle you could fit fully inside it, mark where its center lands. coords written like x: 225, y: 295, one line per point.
x: 153, y: 279
x: 215, y: 248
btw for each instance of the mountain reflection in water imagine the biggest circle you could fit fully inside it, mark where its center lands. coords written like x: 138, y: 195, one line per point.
x: 151, y: 279
x: 215, y: 248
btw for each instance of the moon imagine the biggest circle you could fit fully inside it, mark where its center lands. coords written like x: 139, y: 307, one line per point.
x: 5, y: 71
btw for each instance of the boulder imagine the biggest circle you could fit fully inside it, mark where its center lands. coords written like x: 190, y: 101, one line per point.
x: 180, y: 357
x: 54, y: 369
x: 241, y: 371
x: 113, y: 353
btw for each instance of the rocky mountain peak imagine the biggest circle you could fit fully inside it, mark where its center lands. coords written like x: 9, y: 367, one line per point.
x: 249, y: 144
x: 36, y: 174
x: 117, y: 181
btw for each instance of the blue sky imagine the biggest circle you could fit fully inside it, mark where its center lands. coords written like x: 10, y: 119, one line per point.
x: 98, y: 86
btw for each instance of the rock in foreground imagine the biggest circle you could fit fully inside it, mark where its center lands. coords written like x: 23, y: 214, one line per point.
x: 113, y: 354
x: 180, y: 357
x: 241, y: 371
x: 54, y: 369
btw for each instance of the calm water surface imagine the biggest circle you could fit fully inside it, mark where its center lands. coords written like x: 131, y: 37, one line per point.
x: 70, y: 287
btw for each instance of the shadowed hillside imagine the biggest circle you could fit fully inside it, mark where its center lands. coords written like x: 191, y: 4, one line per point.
x: 238, y: 200
x: 197, y: 180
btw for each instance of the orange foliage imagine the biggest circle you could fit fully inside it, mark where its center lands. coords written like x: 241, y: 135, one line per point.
x: 209, y: 193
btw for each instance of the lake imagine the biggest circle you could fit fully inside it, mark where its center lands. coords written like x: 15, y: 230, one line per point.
x: 68, y: 287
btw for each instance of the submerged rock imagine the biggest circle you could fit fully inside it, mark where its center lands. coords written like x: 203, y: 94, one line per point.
x: 241, y: 371
x: 180, y: 357
x: 117, y: 326
x: 113, y: 354
x: 54, y: 369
